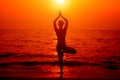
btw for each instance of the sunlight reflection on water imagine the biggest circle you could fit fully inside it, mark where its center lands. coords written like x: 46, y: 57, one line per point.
x: 98, y: 53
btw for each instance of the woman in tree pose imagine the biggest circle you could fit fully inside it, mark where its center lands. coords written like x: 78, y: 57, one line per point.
x: 60, y: 27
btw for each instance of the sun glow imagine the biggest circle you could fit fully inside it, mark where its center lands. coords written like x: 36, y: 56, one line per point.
x: 61, y: 4
x: 60, y: 1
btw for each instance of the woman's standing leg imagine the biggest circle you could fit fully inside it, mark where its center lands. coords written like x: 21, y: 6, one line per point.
x: 60, y: 55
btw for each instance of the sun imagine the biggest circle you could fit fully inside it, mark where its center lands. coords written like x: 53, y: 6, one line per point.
x: 60, y: 1
x: 61, y: 4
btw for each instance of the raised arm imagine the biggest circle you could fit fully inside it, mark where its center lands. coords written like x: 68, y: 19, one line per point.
x: 66, y: 22
x: 55, y: 23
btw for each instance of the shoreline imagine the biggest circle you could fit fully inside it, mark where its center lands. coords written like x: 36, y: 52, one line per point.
x: 54, y: 78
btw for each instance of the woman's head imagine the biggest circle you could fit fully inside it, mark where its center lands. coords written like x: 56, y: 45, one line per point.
x: 60, y: 23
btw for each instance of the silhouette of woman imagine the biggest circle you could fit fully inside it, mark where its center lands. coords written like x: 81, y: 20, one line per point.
x: 60, y: 28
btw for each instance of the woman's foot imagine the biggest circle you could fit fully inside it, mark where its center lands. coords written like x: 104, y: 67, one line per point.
x: 61, y: 72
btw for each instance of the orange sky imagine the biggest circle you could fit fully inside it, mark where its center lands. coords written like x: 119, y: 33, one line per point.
x: 39, y: 14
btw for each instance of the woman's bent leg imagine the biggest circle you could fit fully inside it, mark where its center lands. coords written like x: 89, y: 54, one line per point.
x: 70, y: 50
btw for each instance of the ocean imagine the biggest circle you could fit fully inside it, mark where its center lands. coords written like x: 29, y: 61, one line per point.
x: 26, y: 53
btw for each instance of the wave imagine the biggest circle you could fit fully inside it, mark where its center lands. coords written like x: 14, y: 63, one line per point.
x: 3, y: 55
x: 66, y: 63
x: 107, y: 64
x: 24, y: 55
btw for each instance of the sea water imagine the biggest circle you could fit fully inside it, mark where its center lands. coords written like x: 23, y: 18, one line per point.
x: 33, y: 53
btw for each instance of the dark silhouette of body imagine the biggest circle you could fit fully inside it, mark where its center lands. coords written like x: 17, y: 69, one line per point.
x: 61, y: 29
